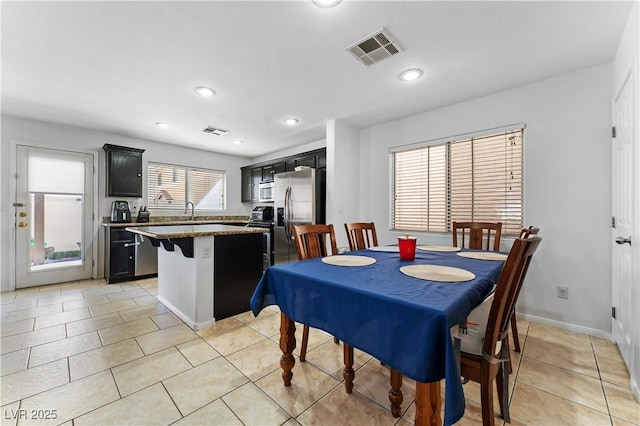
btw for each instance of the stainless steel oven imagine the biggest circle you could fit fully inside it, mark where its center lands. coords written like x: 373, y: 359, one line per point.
x: 262, y: 217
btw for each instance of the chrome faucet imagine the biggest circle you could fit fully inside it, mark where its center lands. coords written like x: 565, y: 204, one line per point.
x: 186, y: 208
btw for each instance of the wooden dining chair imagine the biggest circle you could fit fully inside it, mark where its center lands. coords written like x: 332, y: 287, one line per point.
x: 361, y: 235
x: 480, y: 235
x: 483, y: 360
x: 311, y: 241
x: 524, y: 233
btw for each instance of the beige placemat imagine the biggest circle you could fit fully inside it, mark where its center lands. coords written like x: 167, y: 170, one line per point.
x: 437, y: 273
x: 482, y: 255
x: 346, y: 260
x: 384, y: 248
x: 439, y: 248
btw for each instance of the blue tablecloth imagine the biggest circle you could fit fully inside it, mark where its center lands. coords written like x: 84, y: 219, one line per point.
x: 402, y: 321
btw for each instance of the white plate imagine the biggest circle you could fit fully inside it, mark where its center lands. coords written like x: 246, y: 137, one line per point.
x: 347, y: 260
x: 439, y: 248
x: 482, y: 255
x: 437, y: 273
x: 384, y: 248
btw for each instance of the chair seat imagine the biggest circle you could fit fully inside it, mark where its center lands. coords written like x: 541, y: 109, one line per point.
x: 472, y: 333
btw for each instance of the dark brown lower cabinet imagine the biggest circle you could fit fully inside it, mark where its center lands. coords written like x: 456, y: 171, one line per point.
x: 238, y: 268
x: 120, y: 256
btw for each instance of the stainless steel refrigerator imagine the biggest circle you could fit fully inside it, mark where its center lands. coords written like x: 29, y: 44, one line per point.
x: 298, y: 201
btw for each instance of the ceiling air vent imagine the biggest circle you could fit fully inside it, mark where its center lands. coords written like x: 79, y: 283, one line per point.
x: 215, y: 131
x: 374, y: 48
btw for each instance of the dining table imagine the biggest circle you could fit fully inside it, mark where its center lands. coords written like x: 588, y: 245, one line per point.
x: 399, y: 311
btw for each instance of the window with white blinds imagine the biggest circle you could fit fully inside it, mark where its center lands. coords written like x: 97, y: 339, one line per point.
x: 471, y: 179
x: 170, y: 187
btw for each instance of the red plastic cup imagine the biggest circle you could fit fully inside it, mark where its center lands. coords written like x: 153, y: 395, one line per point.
x: 407, y: 248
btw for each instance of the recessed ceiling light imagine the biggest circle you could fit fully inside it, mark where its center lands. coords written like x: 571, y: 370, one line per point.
x: 411, y: 74
x: 162, y: 124
x: 205, y: 91
x: 326, y: 3
x: 291, y: 121
x: 237, y: 141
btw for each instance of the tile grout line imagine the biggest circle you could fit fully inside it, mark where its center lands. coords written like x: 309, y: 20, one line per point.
x: 604, y: 393
x: 161, y: 382
x: 233, y: 412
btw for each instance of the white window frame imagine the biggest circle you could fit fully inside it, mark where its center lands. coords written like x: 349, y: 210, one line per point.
x: 444, y: 226
x: 181, y: 206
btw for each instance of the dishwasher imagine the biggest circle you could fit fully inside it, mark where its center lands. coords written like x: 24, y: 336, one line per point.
x: 146, y: 257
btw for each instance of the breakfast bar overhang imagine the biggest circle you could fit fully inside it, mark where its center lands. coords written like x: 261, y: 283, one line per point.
x: 206, y: 272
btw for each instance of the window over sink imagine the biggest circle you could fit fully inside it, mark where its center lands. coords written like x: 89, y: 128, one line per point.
x: 465, y: 178
x: 170, y: 187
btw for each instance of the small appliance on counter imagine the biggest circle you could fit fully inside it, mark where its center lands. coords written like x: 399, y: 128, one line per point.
x: 262, y: 214
x: 143, y: 215
x: 120, y: 212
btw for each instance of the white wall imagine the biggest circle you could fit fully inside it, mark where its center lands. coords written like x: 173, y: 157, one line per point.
x: 567, y: 172
x: 343, y: 183
x: 37, y: 133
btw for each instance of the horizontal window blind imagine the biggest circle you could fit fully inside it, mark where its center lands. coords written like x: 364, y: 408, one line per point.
x: 473, y: 179
x: 170, y: 187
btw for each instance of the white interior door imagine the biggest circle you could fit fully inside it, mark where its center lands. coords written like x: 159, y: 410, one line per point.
x: 623, y: 202
x: 54, y: 216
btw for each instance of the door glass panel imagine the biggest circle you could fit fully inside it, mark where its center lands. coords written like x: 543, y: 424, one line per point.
x: 56, y: 202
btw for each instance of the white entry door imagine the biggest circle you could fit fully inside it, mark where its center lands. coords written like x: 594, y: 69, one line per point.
x: 623, y: 203
x: 54, y: 216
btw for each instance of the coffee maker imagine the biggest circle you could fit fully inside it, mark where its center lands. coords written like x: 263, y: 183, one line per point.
x: 120, y: 211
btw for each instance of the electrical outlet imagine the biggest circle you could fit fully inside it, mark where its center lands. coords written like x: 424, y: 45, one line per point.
x: 563, y: 292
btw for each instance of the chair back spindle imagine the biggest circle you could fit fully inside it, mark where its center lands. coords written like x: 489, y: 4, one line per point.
x: 311, y: 241
x: 361, y: 235
x: 477, y: 235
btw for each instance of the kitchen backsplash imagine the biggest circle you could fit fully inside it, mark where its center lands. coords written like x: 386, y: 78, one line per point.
x: 107, y: 219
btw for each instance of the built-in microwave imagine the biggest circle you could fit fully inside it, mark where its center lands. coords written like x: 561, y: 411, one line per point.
x: 266, y: 192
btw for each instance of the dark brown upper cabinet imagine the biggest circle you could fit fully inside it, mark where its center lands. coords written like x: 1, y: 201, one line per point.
x: 124, y: 171
x: 264, y: 172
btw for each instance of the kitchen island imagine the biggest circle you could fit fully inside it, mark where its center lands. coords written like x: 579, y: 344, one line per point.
x: 206, y: 272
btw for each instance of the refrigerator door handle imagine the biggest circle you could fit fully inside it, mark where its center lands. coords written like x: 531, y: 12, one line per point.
x: 290, y: 211
x: 287, y: 225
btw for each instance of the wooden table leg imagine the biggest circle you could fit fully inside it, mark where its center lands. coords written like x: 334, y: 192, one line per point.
x: 428, y: 403
x: 395, y: 393
x: 287, y: 345
x: 348, y: 372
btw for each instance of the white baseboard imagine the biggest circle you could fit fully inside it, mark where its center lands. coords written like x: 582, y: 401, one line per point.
x: 194, y: 325
x: 565, y: 325
x: 635, y: 390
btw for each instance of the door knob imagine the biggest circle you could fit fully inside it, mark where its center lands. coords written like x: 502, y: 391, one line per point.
x: 22, y: 224
x: 622, y: 240
x: 22, y: 214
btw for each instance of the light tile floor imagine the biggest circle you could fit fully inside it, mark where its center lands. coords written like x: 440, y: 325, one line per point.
x: 91, y: 353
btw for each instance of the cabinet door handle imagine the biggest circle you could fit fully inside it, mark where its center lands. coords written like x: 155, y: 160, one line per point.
x: 131, y: 244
